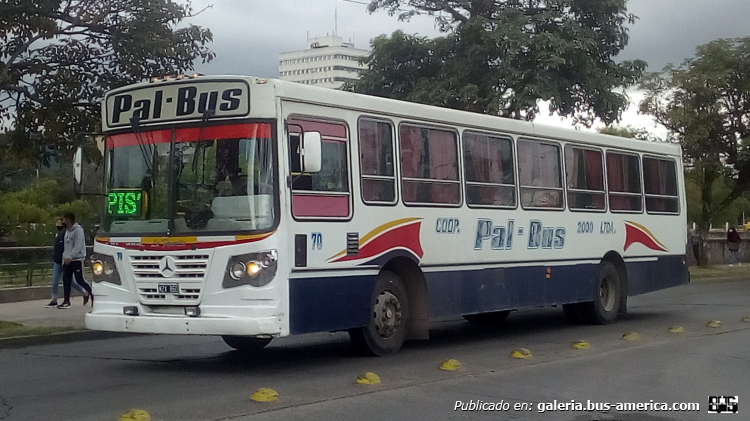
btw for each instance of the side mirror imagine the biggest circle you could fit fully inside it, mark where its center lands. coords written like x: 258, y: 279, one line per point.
x: 311, y: 152
x: 78, y: 165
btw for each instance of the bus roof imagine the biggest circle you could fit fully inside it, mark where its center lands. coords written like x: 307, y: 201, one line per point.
x: 374, y: 105
x: 383, y: 107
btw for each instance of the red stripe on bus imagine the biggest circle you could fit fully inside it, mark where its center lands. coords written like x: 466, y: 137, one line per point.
x: 405, y: 236
x: 634, y: 235
x: 229, y: 131
x: 181, y: 246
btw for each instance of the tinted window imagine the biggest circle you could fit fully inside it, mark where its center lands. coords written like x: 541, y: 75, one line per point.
x: 488, y: 170
x: 584, y: 174
x: 539, y: 174
x: 660, y: 184
x: 326, y: 193
x: 624, y: 182
x: 376, y: 162
x: 429, y: 165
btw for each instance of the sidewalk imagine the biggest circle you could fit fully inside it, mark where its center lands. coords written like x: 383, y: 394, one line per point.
x: 34, y: 314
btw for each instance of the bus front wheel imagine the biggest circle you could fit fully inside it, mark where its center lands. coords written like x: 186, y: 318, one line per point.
x: 246, y: 343
x: 606, y: 304
x: 389, y: 318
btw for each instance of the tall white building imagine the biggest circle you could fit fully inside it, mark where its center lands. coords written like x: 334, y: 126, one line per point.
x: 328, y: 62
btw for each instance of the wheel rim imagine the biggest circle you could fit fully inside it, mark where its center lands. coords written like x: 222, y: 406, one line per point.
x: 386, y: 314
x: 607, y: 294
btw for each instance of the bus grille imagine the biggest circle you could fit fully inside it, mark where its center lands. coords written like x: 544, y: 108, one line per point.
x: 188, y: 271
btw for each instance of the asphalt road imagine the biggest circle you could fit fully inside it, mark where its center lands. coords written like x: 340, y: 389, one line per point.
x: 199, y: 378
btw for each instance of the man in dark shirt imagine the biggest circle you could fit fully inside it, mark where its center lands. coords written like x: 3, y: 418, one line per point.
x: 57, y: 266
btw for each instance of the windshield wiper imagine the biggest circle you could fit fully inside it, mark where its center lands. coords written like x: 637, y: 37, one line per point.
x: 135, y: 123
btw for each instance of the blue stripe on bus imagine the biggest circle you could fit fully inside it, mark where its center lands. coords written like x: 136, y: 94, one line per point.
x: 666, y: 272
x: 328, y: 304
x: 339, y: 303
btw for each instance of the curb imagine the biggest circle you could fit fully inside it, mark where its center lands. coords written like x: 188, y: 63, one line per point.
x: 14, y: 295
x: 61, y: 338
x: 727, y: 279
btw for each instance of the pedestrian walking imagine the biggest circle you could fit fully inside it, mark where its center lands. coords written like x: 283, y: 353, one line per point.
x: 695, y: 241
x: 74, y: 253
x: 57, y: 259
x: 733, y: 244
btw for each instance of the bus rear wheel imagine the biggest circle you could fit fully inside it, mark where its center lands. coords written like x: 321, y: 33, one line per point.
x: 491, y: 318
x: 389, y: 318
x: 606, y: 304
x: 246, y: 343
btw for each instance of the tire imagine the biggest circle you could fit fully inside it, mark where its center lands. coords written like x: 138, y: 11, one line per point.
x: 603, y: 310
x: 389, y: 319
x: 571, y: 313
x: 488, y: 319
x: 247, y: 344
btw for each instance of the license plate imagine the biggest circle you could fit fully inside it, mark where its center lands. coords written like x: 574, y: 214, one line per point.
x: 169, y: 289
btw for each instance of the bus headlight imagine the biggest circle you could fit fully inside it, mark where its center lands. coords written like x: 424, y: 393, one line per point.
x: 109, y: 269
x: 97, y: 268
x: 237, y: 270
x: 255, y: 269
x: 104, y: 269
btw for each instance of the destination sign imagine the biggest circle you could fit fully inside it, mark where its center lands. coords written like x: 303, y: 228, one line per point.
x: 178, y: 101
x: 123, y: 203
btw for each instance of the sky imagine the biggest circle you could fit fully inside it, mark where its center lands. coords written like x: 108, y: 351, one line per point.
x: 249, y: 34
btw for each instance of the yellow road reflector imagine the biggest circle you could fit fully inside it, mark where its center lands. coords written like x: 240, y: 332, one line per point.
x: 368, y: 378
x: 135, y: 415
x: 264, y: 394
x: 450, y: 365
x: 676, y: 329
x: 581, y: 344
x: 714, y: 324
x: 521, y: 353
x: 631, y: 336
x: 746, y: 319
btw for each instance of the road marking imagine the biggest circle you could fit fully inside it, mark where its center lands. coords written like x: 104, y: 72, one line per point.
x: 581, y: 344
x: 714, y: 324
x: 135, y: 415
x: 450, y: 365
x: 631, y: 336
x: 521, y: 353
x: 676, y: 329
x: 368, y: 378
x: 264, y: 394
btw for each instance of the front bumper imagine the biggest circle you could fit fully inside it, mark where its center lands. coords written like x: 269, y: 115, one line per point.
x: 184, y: 325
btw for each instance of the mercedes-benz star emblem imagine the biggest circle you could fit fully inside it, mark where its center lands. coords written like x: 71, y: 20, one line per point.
x: 167, y: 266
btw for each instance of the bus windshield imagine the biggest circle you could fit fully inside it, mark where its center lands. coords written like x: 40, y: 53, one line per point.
x: 189, y: 181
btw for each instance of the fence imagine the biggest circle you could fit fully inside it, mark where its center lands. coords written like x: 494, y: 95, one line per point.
x: 28, y: 266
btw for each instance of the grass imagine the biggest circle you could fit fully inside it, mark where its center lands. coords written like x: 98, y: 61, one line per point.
x: 12, y: 329
x: 719, y: 272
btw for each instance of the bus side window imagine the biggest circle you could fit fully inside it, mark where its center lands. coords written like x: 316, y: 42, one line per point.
x: 376, y: 162
x: 488, y: 170
x: 539, y: 174
x: 584, y: 174
x: 660, y: 184
x: 624, y: 182
x: 429, y: 166
x: 324, y: 194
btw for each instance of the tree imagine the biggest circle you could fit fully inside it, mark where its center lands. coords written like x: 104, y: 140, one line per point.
x: 705, y: 105
x: 58, y: 57
x: 500, y: 57
x: 630, y: 132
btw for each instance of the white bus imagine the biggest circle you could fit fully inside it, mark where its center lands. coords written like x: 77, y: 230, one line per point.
x: 256, y: 208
